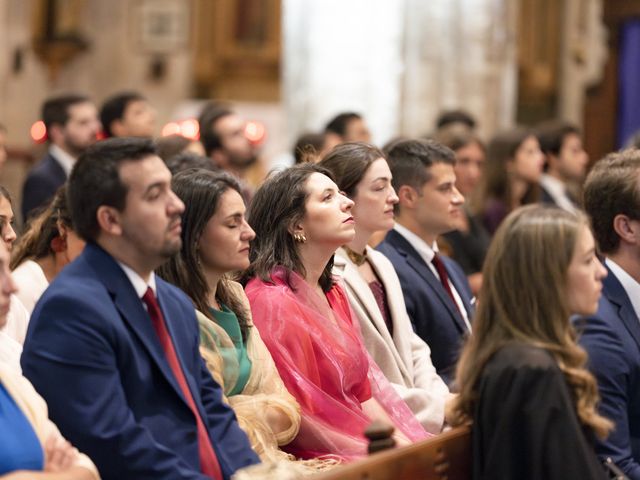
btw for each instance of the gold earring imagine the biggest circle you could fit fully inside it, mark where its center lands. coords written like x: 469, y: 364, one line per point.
x: 299, y: 237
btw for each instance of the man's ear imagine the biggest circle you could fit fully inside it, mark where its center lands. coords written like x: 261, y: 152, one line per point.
x: 55, y: 133
x: 109, y: 220
x: 117, y: 128
x: 220, y: 159
x: 627, y: 229
x: 407, y: 196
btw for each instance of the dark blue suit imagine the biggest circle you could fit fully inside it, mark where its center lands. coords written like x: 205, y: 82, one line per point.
x: 41, y: 185
x: 612, y: 340
x: 92, y: 353
x: 433, y: 313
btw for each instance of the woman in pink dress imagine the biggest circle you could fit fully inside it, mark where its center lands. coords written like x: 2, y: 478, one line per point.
x: 300, y: 219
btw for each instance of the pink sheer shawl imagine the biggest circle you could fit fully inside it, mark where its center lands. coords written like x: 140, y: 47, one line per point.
x: 323, y: 363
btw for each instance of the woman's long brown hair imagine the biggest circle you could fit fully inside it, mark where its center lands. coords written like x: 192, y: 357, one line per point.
x: 523, y: 299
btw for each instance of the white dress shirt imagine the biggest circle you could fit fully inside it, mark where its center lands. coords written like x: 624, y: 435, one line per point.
x: 65, y: 160
x: 557, y: 190
x: 139, y: 285
x: 427, y: 253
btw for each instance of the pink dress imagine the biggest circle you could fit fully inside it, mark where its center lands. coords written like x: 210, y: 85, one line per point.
x: 320, y: 356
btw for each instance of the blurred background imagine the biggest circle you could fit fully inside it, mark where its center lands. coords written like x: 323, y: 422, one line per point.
x: 288, y: 66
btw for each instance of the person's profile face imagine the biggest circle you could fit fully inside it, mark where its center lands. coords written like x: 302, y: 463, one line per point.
x: 7, y: 223
x: 357, y: 131
x: 438, y: 209
x: 7, y: 286
x: 572, y: 158
x: 327, y: 220
x: 82, y: 127
x: 469, y: 167
x: 150, y: 223
x: 374, y: 199
x: 223, y: 245
x: 584, y: 276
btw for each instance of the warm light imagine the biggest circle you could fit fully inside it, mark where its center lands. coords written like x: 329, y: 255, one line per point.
x: 38, y: 132
x: 171, y: 128
x: 255, y: 132
x: 190, y: 128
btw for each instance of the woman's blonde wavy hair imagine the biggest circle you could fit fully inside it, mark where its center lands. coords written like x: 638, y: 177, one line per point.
x: 523, y: 299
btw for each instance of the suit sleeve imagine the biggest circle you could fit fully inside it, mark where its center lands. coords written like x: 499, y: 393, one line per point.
x: 36, y: 192
x: 607, y: 362
x: 69, y: 358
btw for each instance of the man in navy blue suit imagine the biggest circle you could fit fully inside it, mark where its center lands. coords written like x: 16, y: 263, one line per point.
x: 114, y: 349
x: 72, y: 125
x: 436, y: 291
x: 612, y: 337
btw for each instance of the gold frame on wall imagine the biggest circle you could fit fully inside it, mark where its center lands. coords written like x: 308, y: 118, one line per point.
x: 237, y: 49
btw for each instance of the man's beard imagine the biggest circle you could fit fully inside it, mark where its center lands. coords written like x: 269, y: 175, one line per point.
x: 74, y: 148
x: 242, y: 163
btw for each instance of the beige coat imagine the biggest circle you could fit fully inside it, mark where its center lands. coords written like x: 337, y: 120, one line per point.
x: 35, y: 409
x: 404, y: 358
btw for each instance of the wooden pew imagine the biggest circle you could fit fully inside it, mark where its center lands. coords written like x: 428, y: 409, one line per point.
x: 444, y: 457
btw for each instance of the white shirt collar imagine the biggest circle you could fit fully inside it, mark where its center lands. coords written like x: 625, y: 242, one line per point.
x: 630, y: 285
x: 558, y: 191
x: 426, y: 252
x: 65, y: 160
x: 138, y: 283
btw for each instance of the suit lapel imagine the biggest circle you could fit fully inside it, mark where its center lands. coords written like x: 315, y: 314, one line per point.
x: 173, y: 320
x: 462, y: 289
x: 399, y: 338
x: 616, y: 294
x: 417, y: 263
x: 131, y: 309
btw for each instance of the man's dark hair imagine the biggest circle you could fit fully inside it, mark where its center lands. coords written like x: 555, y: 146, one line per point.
x: 552, y: 134
x: 95, y: 180
x: 449, y: 117
x: 189, y: 160
x: 56, y: 110
x: 339, y: 123
x: 210, y: 115
x: 114, y: 107
x: 307, y: 146
x: 409, y: 159
x: 612, y: 189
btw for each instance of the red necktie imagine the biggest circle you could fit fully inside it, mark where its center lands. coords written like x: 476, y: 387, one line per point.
x: 208, y: 460
x: 444, y: 280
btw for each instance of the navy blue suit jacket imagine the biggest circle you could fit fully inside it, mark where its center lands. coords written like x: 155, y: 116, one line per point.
x: 433, y: 313
x: 41, y: 185
x: 612, y: 340
x: 92, y: 353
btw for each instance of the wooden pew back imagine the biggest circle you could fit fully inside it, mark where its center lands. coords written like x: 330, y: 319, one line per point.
x: 444, y: 457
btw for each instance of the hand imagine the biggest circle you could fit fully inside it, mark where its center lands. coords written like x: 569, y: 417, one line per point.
x: 449, y: 414
x: 401, y: 439
x: 59, y: 454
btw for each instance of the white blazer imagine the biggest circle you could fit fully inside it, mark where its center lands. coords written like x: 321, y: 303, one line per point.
x: 404, y: 358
